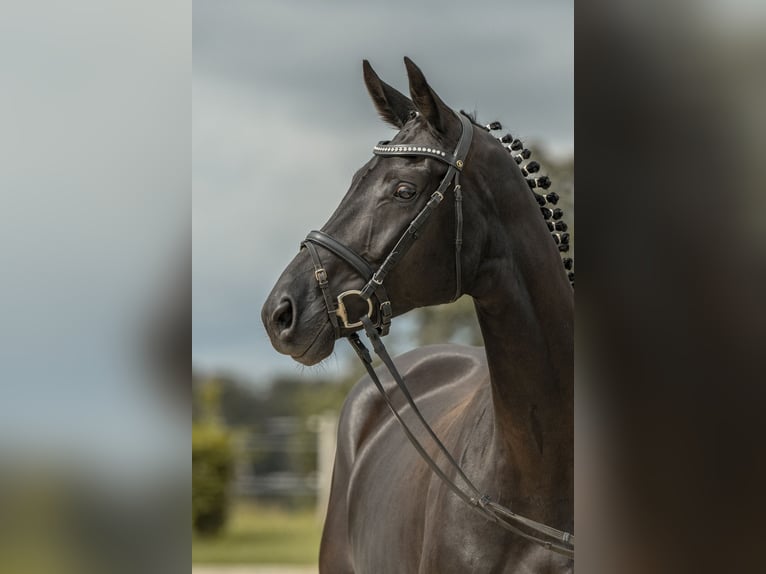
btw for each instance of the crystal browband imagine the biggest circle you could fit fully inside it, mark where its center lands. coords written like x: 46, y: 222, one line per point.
x: 383, y: 148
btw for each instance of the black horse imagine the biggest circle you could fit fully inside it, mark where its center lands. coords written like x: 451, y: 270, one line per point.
x: 504, y: 412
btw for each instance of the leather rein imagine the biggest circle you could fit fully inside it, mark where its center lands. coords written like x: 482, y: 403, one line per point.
x: 550, y: 538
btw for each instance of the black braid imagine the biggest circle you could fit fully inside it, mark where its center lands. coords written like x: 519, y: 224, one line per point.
x: 553, y: 216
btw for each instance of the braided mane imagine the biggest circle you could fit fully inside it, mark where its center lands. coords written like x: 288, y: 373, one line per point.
x: 554, y: 216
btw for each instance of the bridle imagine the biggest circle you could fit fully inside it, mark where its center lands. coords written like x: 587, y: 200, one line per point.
x: 336, y: 309
x: 548, y: 537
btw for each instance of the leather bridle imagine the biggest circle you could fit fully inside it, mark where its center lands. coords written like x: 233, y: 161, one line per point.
x: 336, y: 308
x: 548, y: 537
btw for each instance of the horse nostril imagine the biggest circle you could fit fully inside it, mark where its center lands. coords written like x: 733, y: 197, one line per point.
x: 283, y: 316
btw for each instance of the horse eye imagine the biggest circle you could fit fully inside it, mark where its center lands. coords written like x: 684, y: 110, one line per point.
x: 405, y: 191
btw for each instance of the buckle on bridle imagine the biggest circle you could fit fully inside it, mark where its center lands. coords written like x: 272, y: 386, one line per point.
x: 321, y: 276
x: 343, y: 314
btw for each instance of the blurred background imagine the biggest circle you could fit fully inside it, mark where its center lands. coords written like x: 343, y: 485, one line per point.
x: 276, y: 80
x: 96, y: 188
x: 95, y: 292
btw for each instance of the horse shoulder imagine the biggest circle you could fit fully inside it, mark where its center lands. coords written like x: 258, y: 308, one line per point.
x: 440, y: 378
x: 437, y: 376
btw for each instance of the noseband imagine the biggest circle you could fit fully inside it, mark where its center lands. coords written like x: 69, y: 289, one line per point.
x: 546, y: 536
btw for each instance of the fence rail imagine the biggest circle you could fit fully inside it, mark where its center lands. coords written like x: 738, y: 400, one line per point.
x: 289, y: 459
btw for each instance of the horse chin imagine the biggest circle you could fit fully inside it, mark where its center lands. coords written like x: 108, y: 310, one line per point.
x: 319, y: 349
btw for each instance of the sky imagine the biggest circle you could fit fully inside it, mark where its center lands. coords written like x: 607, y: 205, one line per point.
x: 275, y: 81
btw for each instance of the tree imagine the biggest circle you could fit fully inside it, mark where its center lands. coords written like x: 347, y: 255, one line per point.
x: 212, y: 462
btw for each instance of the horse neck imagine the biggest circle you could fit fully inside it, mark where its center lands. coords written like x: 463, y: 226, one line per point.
x: 525, y: 309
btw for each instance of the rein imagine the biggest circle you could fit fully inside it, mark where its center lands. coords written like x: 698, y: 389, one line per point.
x: 550, y: 538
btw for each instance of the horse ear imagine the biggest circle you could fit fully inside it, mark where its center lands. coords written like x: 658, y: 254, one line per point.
x: 393, y: 106
x: 431, y: 107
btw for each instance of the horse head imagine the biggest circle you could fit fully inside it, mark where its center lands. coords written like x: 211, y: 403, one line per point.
x: 385, y: 195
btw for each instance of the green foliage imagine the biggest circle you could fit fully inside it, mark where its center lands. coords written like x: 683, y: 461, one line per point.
x: 212, y: 469
x: 241, y: 405
x: 212, y: 464
x: 227, y: 403
x: 209, y: 401
x: 296, y: 397
x: 455, y: 322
